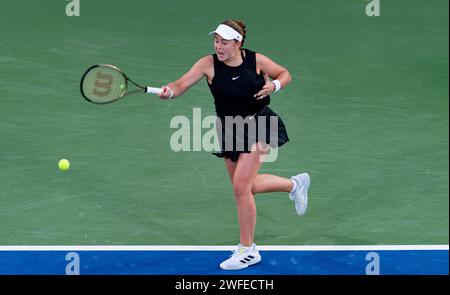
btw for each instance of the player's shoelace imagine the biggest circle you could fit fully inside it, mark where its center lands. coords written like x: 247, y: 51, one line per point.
x: 238, y: 251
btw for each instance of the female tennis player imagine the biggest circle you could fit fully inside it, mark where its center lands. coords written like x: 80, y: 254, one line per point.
x: 240, y: 82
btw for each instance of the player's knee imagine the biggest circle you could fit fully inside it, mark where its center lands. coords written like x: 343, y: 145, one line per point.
x: 241, y: 190
x: 255, y: 187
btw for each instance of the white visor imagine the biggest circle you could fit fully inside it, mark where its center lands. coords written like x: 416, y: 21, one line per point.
x: 226, y: 32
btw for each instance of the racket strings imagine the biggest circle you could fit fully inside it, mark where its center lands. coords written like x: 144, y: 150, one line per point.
x: 104, y: 84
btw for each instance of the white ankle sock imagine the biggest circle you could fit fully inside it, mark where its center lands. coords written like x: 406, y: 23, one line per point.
x: 294, y: 185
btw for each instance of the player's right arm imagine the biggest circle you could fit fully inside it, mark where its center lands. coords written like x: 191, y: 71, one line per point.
x: 201, y: 68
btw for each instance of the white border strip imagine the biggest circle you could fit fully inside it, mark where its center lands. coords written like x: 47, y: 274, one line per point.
x: 225, y: 248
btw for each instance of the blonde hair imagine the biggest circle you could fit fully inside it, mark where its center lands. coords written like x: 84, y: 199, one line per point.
x: 238, y: 26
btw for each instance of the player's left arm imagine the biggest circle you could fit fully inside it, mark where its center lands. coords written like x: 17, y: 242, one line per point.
x: 271, y: 70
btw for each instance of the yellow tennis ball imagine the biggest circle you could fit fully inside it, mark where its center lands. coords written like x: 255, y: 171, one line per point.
x: 63, y: 165
x: 122, y: 86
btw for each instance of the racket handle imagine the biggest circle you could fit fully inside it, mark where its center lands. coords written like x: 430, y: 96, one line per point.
x: 153, y: 90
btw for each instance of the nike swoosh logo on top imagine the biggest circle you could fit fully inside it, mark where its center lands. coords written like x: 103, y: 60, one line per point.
x: 234, y: 78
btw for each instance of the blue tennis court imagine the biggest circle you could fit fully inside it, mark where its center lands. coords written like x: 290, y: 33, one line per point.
x: 277, y: 260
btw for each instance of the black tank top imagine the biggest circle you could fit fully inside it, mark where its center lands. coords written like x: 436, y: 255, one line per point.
x: 233, y: 88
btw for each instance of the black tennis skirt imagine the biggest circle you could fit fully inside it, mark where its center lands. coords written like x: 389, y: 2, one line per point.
x: 237, y: 135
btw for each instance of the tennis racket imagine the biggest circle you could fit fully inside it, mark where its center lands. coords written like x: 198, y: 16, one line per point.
x: 103, y: 83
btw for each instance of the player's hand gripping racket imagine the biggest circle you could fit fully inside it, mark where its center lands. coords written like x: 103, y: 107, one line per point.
x: 106, y: 83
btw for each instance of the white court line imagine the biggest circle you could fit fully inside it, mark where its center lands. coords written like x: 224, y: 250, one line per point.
x: 226, y: 248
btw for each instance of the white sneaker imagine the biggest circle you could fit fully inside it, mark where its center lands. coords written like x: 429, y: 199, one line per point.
x: 242, y: 257
x: 300, y: 194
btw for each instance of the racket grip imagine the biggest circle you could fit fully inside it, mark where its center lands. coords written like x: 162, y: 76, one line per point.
x: 153, y: 90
